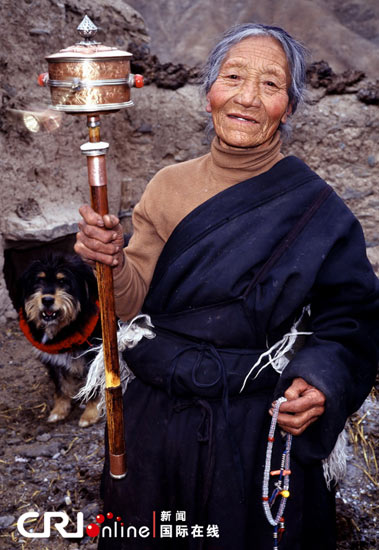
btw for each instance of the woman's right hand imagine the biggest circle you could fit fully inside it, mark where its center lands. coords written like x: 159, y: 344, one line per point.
x: 100, y: 239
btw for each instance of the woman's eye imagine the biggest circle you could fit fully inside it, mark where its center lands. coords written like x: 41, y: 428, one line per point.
x: 270, y: 83
x: 233, y: 76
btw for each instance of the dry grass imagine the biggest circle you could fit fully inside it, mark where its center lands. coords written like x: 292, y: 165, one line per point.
x: 365, y: 442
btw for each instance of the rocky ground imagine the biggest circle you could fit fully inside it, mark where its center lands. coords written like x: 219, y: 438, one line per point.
x: 47, y: 467
x: 44, y: 467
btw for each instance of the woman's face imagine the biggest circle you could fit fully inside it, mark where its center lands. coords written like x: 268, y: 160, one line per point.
x: 249, y: 98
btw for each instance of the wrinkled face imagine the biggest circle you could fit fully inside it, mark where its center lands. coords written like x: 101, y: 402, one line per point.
x: 249, y: 98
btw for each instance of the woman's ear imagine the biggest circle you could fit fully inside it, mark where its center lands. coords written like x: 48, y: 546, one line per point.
x: 208, y: 106
x: 287, y: 113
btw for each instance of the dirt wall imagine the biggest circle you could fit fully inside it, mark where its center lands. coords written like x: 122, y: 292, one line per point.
x: 44, y: 177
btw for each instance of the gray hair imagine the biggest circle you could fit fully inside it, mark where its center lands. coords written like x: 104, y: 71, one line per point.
x: 295, y: 52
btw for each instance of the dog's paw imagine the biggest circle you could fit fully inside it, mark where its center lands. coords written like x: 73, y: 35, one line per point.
x: 61, y: 409
x: 90, y: 415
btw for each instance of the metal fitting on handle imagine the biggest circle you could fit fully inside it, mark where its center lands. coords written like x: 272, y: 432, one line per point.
x: 96, y: 149
x: 118, y: 469
x: 95, y: 153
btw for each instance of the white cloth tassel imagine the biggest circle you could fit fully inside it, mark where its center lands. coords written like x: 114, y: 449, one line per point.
x: 279, y: 360
x: 334, y: 466
x: 128, y: 336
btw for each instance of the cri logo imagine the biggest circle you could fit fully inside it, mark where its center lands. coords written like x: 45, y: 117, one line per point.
x: 92, y: 529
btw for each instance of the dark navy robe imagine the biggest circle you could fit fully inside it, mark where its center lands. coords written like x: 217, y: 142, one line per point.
x: 231, y: 280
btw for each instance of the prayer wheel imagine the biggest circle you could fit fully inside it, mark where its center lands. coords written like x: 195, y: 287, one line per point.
x: 90, y: 78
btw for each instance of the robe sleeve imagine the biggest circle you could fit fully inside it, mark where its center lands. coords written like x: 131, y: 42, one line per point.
x: 141, y: 255
x: 341, y: 356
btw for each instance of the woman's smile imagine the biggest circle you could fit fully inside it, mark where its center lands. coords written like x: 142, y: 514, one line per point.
x: 243, y: 118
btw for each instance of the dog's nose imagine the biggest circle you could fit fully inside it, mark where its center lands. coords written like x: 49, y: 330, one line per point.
x: 47, y: 301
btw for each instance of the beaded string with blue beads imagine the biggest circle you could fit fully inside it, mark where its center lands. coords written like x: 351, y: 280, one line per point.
x: 282, y: 485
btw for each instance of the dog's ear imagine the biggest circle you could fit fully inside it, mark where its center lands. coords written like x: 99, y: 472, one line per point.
x: 23, y: 285
x: 92, y: 287
x: 20, y: 292
x: 87, y: 275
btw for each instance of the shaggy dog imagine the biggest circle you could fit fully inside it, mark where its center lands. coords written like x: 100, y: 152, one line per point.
x: 59, y: 315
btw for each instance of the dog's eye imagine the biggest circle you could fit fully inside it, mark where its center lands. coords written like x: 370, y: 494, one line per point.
x: 61, y: 279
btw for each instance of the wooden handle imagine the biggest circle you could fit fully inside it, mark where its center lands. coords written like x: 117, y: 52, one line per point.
x: 106, y: 298
x: 97, y: 179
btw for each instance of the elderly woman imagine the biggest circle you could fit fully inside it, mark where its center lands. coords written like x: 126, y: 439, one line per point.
x: 230, y: 251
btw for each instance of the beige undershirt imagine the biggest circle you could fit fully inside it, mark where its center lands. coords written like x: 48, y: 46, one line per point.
x: 172, y: 194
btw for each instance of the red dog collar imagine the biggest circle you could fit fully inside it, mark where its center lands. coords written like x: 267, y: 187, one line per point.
x: 65, y: 345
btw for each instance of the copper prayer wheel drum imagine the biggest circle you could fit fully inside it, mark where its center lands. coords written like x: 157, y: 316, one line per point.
x: 89, y: 77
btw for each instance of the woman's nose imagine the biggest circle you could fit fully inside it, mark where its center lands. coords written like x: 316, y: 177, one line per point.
x: 248, y: 95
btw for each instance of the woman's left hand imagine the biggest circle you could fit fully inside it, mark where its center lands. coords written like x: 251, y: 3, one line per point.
x: 304, y: 405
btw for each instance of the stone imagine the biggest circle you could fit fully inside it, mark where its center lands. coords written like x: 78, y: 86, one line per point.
x: 369, y: 94
x: 34, y: 450
x: 11, y: 314
x: 43, y: 437
x: 6, y: 521
x: 90, y: 511
x: 371, y: 161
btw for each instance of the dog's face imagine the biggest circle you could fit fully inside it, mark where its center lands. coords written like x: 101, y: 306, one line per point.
x: 54, y: 291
